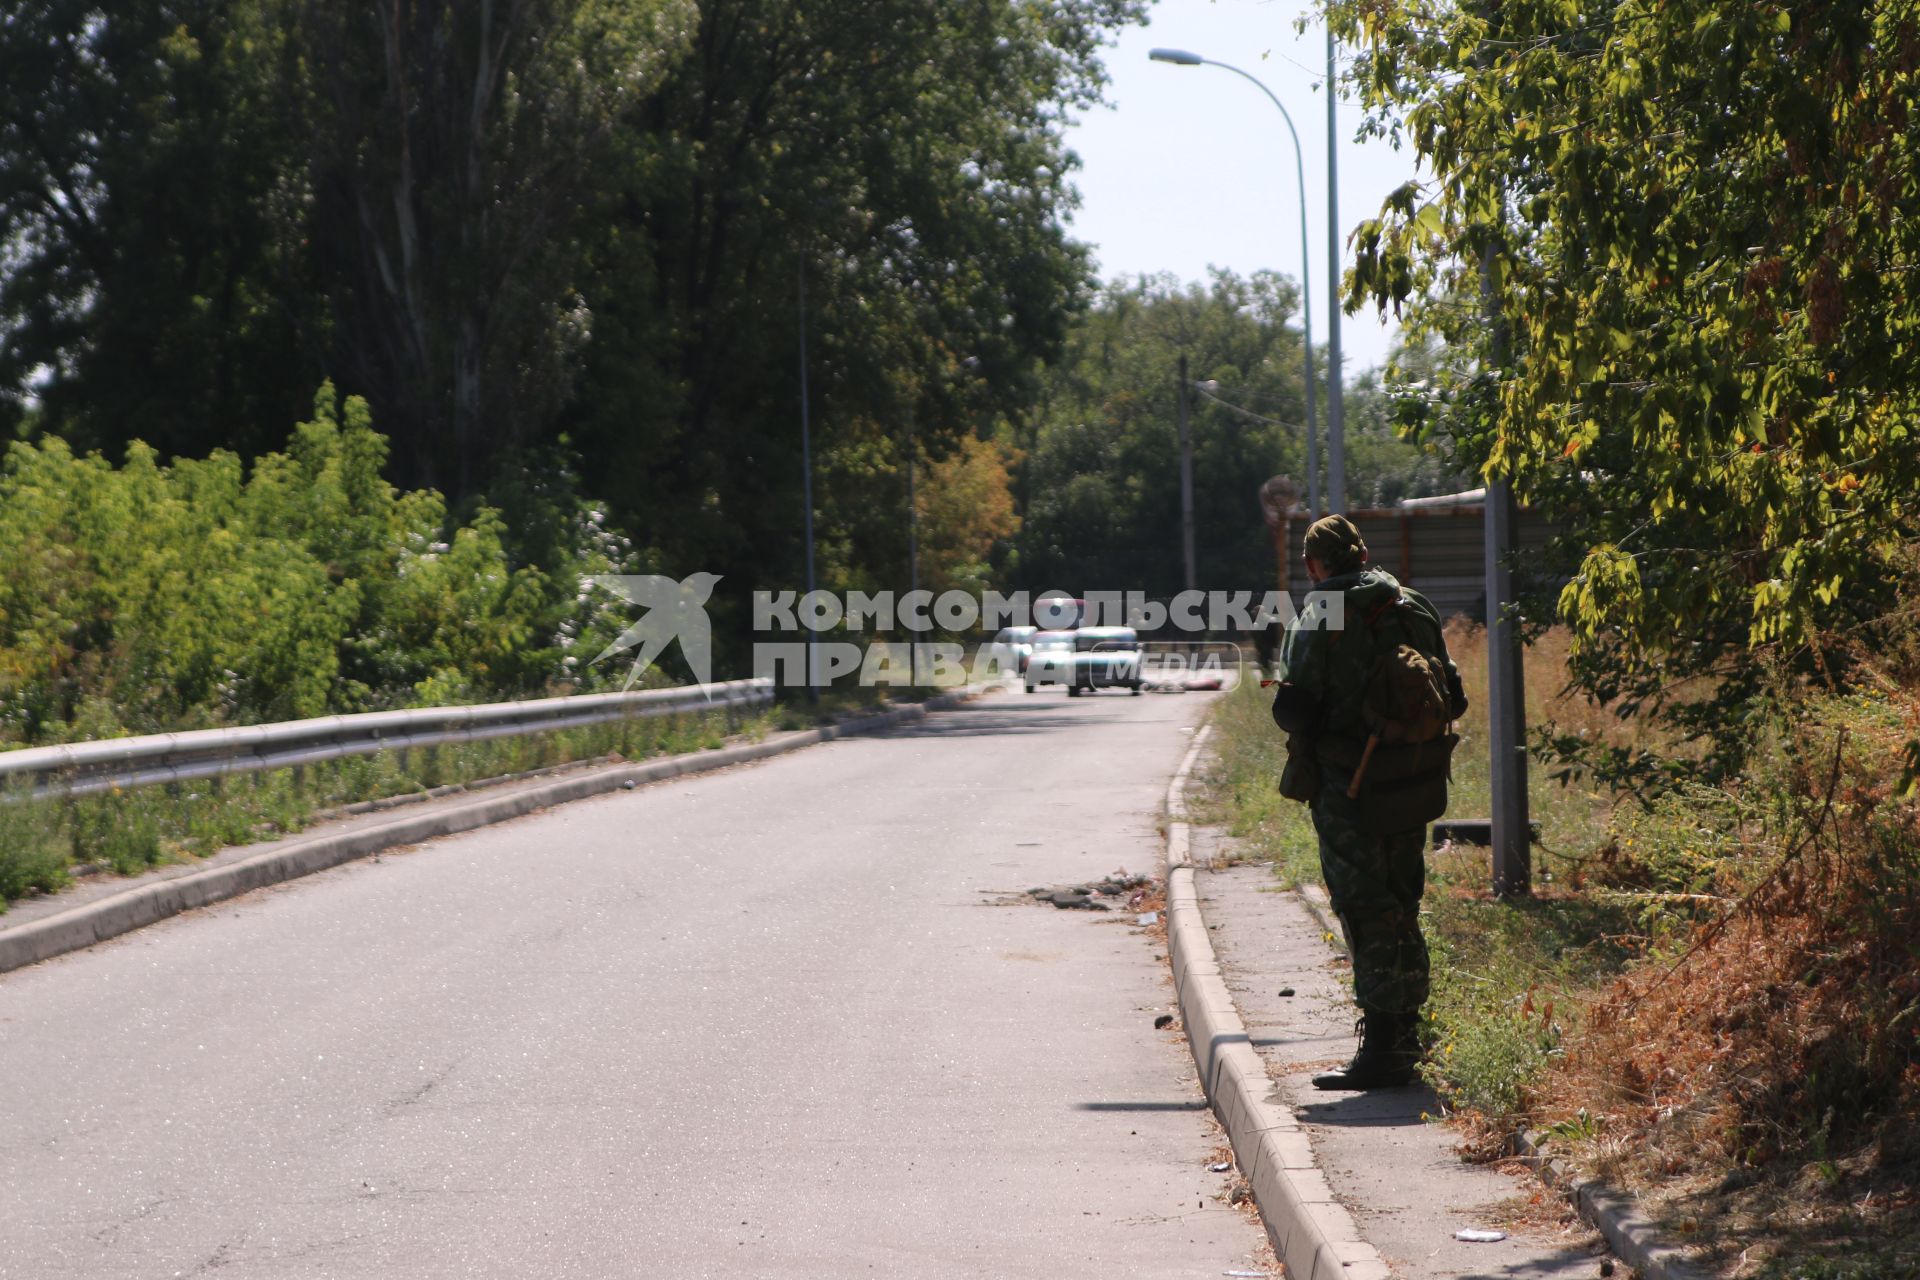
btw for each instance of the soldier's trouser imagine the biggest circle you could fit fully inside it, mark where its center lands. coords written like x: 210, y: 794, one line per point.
x: 1375, y: 883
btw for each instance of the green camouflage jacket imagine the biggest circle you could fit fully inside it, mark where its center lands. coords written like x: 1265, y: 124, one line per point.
x: 1323, y: 672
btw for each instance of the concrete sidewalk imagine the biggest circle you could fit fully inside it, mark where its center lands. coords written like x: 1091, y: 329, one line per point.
x: 1394, y: 1170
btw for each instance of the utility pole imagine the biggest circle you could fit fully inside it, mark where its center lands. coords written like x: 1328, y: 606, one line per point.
x: 1506, y: 677
x: 913, y: 551
x: 1182, y: 58
x: 1336, y: 401
x: 806, y: 476
x: 1186, y: 483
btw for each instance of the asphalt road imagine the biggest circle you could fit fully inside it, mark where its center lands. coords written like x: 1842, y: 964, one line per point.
x: 775, y: 1021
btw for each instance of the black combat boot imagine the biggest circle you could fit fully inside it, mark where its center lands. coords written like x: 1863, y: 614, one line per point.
x: 1389, y: 1052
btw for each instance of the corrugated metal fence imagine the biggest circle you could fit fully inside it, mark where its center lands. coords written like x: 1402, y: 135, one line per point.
x: 1439, y: 551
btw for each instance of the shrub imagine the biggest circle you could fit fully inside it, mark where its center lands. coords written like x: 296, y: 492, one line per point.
x: 31, y: 856
x: 149, y: 597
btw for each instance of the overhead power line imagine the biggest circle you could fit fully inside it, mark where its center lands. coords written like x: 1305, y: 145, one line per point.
x: 1201, y: 387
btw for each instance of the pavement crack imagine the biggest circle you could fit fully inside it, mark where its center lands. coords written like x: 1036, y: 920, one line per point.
x: 418, y: 1093
x: 223, y: 1256
x: 108, y: 1234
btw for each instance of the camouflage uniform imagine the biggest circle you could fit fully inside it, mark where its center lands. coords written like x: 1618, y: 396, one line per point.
x: 1375, y: 883
x: 1375, y: 880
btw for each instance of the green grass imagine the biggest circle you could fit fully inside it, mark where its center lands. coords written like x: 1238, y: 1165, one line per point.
x: 1508, y: 976
x: 43, y: 843
x: 1750, y: 1073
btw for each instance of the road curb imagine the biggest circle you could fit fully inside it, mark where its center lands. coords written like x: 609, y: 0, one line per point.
x: 1616, y: 1215
x: 1312, y: 1233
x: 93, y: 922
x: 1320, y: 907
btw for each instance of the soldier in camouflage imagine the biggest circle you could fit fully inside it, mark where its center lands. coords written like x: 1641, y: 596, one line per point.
x: 1372, y: 850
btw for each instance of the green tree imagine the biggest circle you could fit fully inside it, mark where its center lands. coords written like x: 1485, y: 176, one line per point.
x: 1102, y: 473
x: 555, y: 244
x: 909, y: 159
x: 1386, y: 410
x: 455, y: 172
x: 1694, y: 222
x: 144, y: 274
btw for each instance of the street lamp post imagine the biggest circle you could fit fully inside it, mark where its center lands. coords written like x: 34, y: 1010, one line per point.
x: 1336, y: 400
x: 1181, y: 58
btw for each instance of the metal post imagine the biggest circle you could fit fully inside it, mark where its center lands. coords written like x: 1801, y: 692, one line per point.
x: 1336, y: 399
x: 1313, y: 434
x: 1506, y: 680
x: 1180, y: 57
x: 913, y: 554
x: 1186, y: 484
x: 806, y: 476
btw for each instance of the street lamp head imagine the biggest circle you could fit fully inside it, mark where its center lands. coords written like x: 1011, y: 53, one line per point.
x: 1178, y: 57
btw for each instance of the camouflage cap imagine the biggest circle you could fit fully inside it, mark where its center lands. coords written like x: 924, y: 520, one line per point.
x: 1336, y: 544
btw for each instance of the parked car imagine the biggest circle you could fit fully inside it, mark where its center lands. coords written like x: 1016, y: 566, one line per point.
x: 1051, y: 660
x: 1011, y: 648
x: 1105, y: 658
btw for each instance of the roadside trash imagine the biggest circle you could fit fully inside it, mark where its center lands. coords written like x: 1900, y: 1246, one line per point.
x: 1086, y: 897
x: 1606, y: 1266
x: 1118, y: 883
x: 1473, y: 1235
x: 628, y: 785
x: 1286, y: 991
x: 1162, y: 1022
x: 1149, y: 917
x: 1222, y: 1167
x: 1261, y: 1275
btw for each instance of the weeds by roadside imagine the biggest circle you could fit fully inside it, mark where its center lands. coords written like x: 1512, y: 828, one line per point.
x: 1712, y: 998
x: 45, y: 843
x: 1505, y: 977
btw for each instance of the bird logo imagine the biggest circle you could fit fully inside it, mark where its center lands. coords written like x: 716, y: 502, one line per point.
x: 675, y: 611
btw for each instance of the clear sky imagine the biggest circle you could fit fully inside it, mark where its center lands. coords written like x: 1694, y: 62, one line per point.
x: 1191, y: 167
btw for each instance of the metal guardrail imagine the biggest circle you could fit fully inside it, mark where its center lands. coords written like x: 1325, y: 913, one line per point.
x: 87, y: 768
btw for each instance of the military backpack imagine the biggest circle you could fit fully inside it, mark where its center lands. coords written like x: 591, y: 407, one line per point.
x: 1406, y: 762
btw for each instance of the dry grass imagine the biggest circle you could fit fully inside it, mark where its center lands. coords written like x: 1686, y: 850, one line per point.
x: 1715, y: 1001
x: 1762, y: 1083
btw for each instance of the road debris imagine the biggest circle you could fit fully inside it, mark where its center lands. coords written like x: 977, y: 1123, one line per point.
x: 1286, y: 991
x: 1149, y: 917
x: 1220, y: 1167
x: 1474, y: 1235
x: 1162, y: 1022
x: 1086, y: 897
